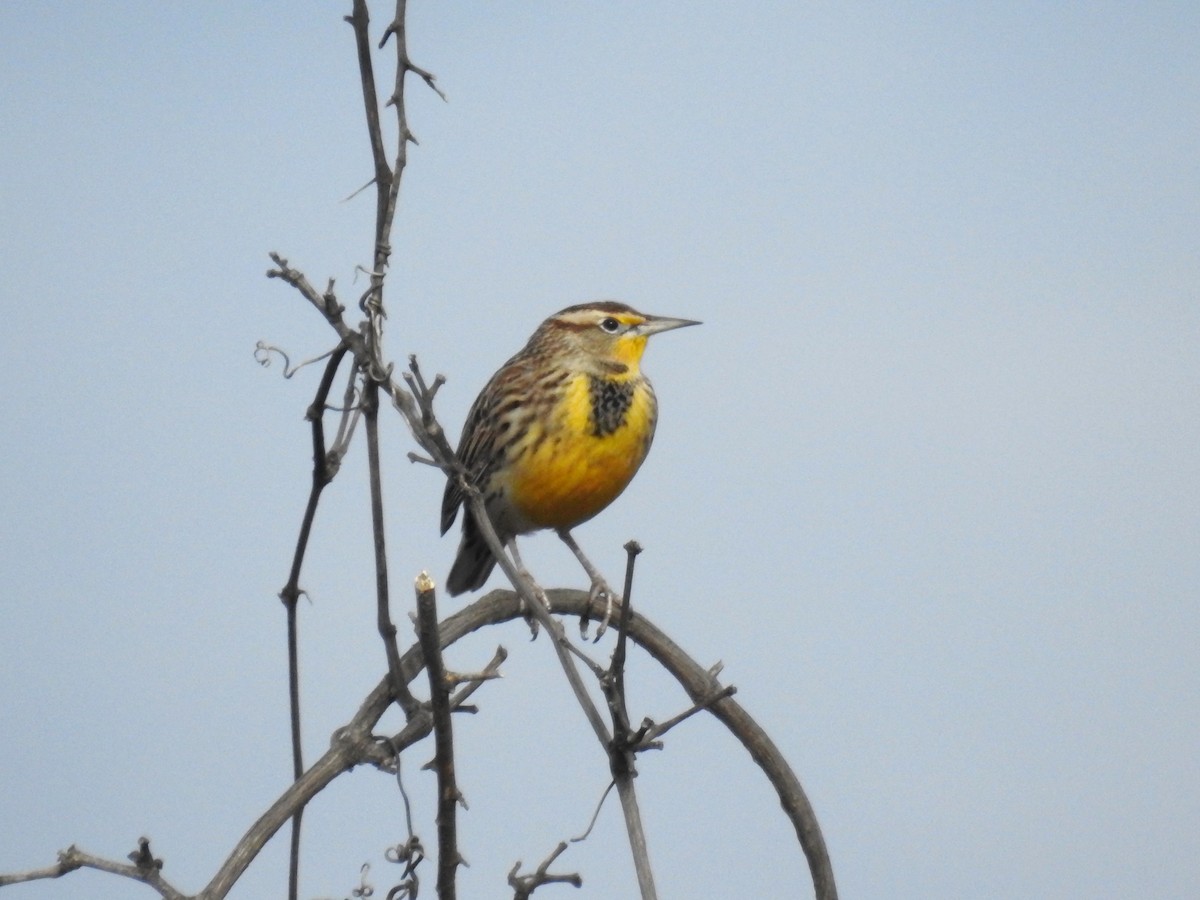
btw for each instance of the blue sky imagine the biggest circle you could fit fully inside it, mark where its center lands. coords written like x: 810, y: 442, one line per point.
x: 926, y: 479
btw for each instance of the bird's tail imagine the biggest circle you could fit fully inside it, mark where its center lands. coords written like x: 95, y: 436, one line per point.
x: 474, y: 562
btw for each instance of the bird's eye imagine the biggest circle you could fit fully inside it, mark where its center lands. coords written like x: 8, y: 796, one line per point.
x: 609, y: 324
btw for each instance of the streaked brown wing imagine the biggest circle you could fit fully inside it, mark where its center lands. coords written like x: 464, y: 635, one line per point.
x: 477, y: 448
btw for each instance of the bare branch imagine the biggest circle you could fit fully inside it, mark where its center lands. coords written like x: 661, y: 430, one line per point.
x: 524, y: 885
x: 353, y: 745
x: 326, y: 303
x: 701, y: 686
x: 595, y: 667
x: 351, y: 410
x: 145, y: 869
x: 474, y: 680
x: 651, y: 731
x: 620, y: 749
x: 616, y: 671
x: 387, y: 630
x: 443, y: 735
x: 430, y: 79
x: 359, y: 20
x: 322, y: 475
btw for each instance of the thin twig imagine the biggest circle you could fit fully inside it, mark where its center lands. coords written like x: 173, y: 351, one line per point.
x: 595, y: 667
x: 408, y: 819
x: 322, y: 474
x: 595, y: 815
x: 647, y: 736
x: 616, y: 671
x: 351, y: 411
x: 433, y: 439
x: 387, y: 630
x: 263, y: 351
x: 411, y: 853
x: 524, y: 885
x: 145, y: 869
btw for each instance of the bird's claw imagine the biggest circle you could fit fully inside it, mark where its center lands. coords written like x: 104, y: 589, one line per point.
x: 530, y: 618
x: 600, y: 591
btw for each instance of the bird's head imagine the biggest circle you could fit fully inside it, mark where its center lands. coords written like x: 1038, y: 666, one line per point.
x: 605, y: 338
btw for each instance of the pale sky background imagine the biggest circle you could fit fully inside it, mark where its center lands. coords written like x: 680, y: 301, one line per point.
x: 927, y: 480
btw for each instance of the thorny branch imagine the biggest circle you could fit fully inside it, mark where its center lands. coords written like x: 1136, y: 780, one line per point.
x: 443, y: 736
x: 387, y: 176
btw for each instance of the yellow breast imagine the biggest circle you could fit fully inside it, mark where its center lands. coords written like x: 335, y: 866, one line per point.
x: 566, y: 472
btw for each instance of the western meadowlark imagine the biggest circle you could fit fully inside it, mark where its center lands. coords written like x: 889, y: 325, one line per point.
x: 557, y: 433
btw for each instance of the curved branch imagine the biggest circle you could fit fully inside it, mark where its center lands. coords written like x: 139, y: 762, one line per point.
x: 701, y: 686
x: 354, y: 745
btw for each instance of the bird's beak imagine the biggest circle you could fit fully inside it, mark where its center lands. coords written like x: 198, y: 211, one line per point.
x: 655, y: 324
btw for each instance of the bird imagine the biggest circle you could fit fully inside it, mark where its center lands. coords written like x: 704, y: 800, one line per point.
x: 556, y: 435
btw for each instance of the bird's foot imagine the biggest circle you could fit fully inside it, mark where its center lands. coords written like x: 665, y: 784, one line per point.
x: 600, y: 592
x: 527, y: 613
